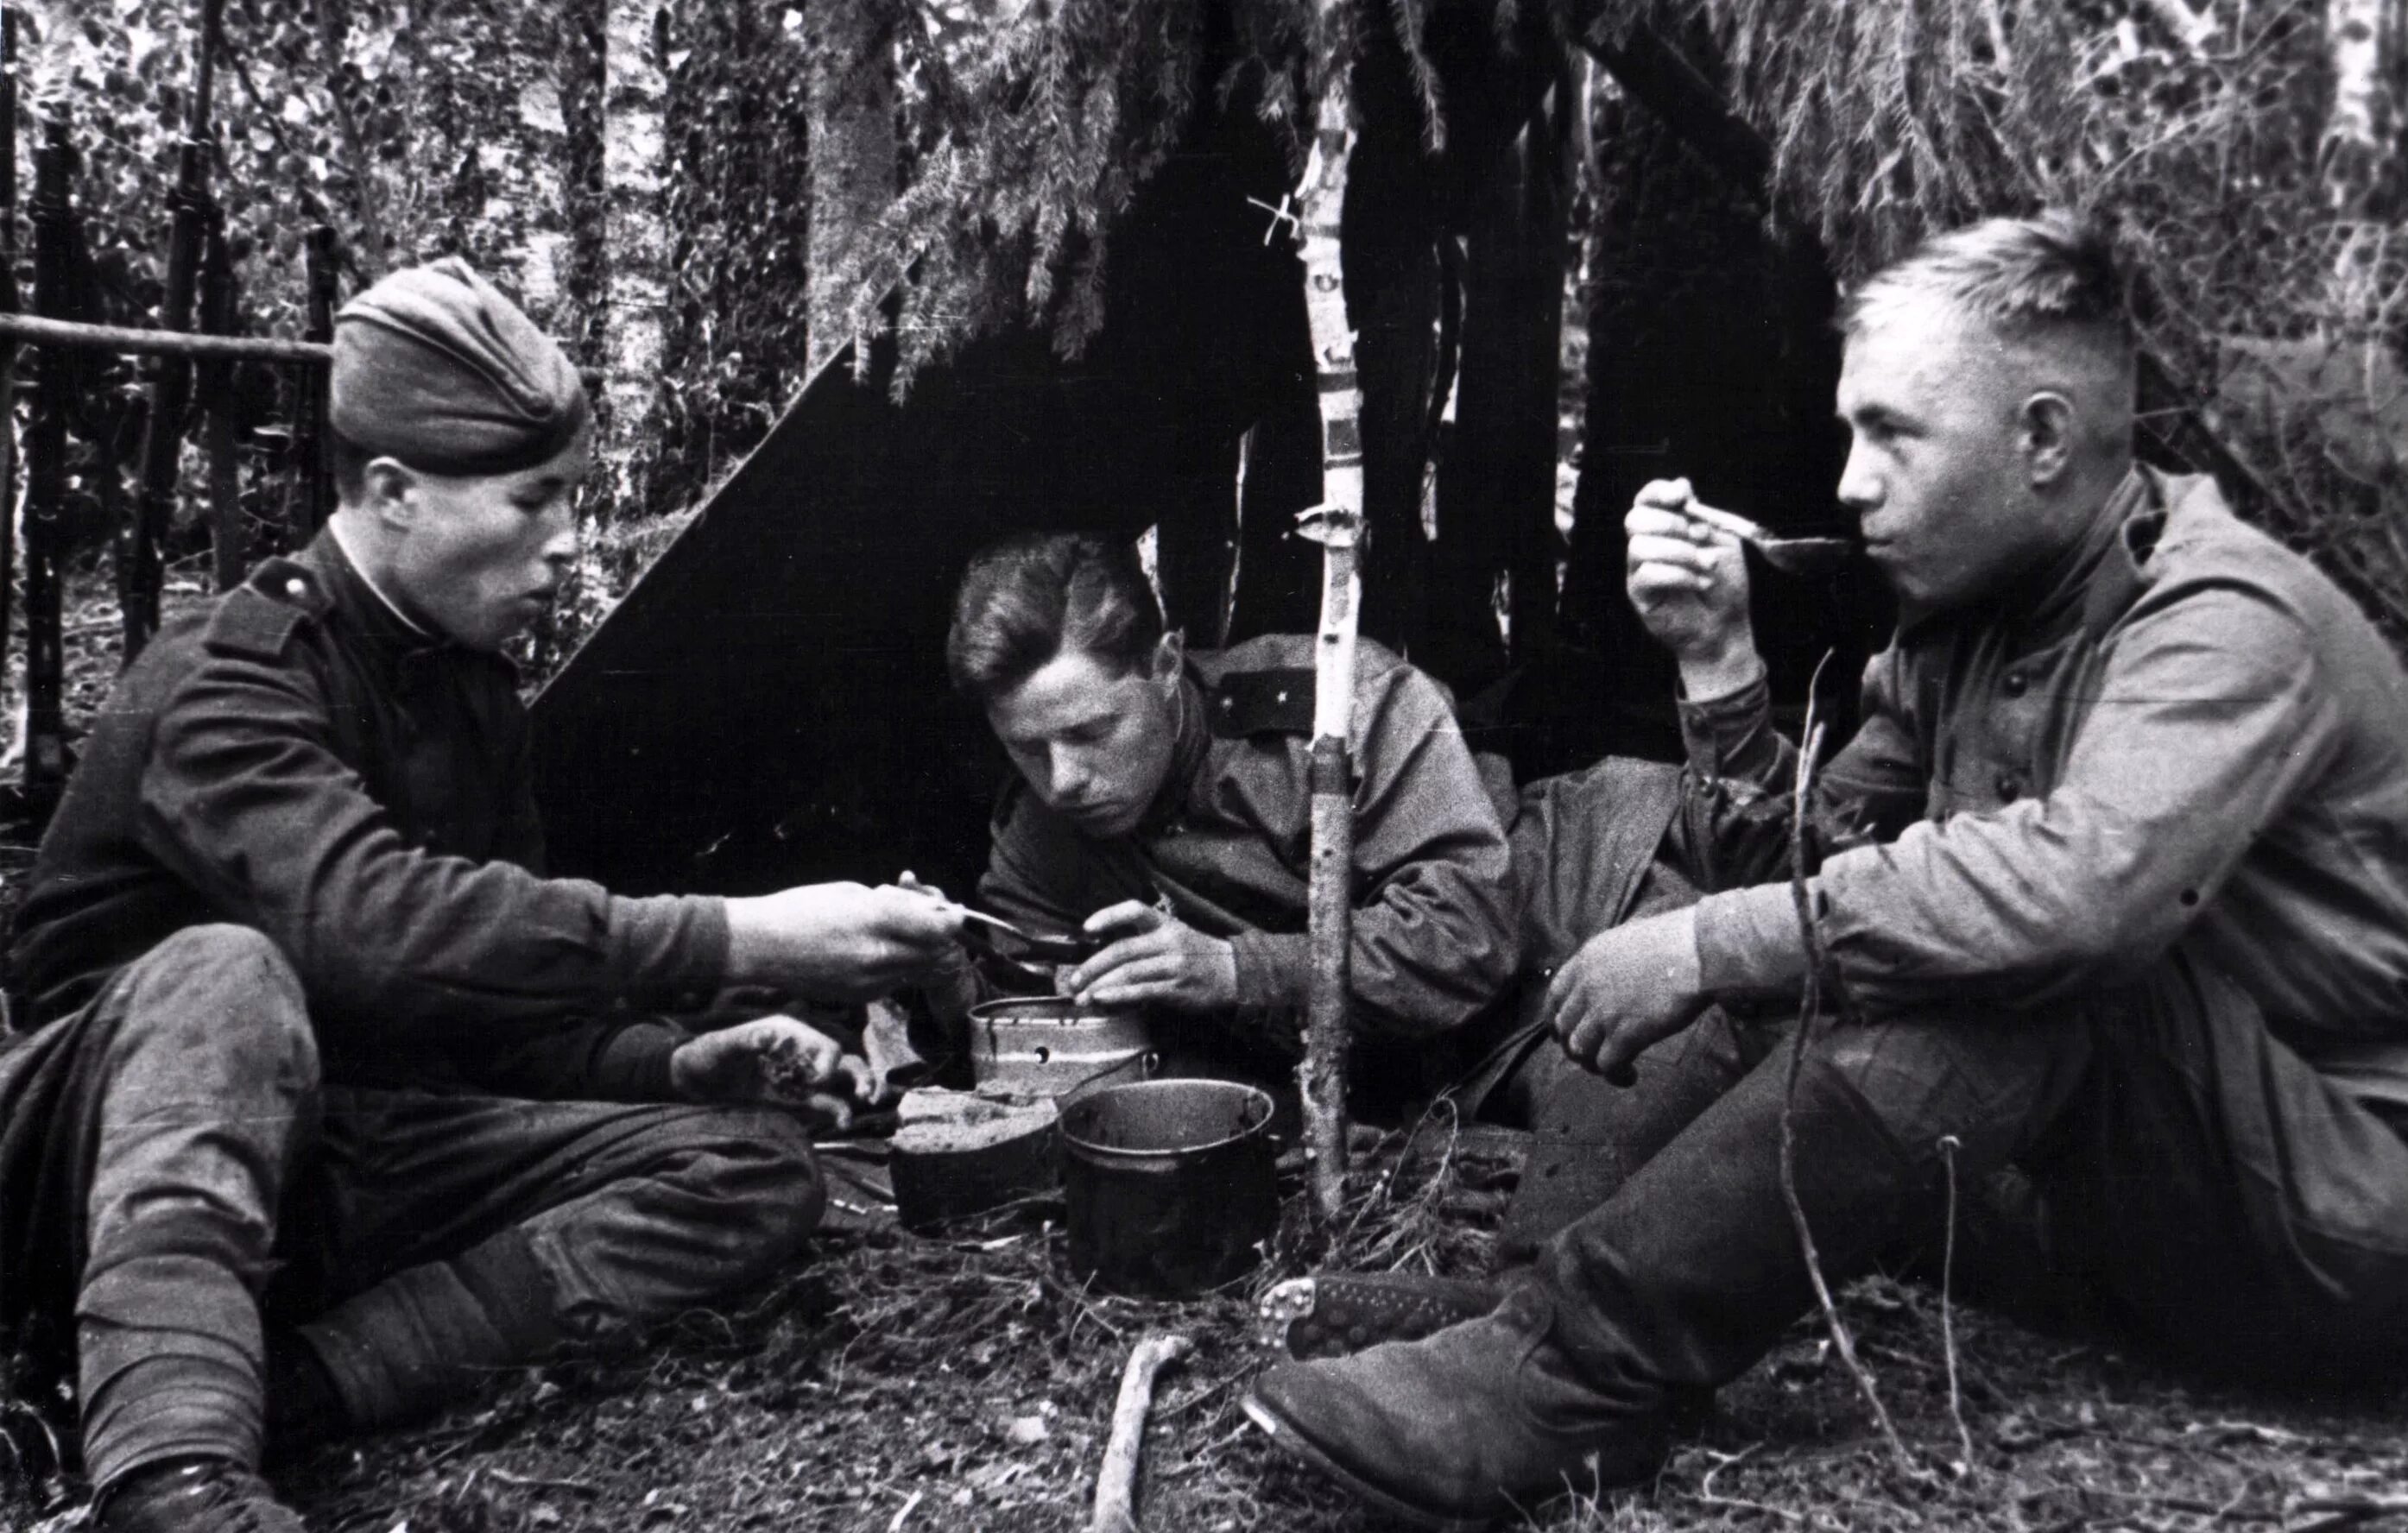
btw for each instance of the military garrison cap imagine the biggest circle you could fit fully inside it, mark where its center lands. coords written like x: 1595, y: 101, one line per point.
x: 433, y: 365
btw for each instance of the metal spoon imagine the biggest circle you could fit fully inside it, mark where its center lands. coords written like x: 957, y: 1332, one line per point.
x: 1807, y: 558
x: 1051, y: 947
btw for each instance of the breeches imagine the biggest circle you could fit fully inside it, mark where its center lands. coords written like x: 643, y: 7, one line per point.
x: 2222, y: 1198
x: 417, y: 1239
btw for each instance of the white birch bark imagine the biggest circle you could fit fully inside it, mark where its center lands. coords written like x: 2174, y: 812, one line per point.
x: 1337, y: 525
x: 635, y: 303
x: 2360, y: 123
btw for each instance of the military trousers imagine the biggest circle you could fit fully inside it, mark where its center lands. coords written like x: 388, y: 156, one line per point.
x: 2229, y: 1204
x: 214, y: 1187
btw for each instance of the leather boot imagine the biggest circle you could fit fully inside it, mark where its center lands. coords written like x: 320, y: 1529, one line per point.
x: 194, y: 1496
x: 1477, y: 1422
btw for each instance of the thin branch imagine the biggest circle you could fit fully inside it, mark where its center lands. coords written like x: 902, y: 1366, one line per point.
x: 1949, y: 1145
x: 1116, y: 1481
x: 1809, y: 1009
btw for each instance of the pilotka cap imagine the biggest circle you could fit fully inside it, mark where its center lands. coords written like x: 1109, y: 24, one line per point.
x: 433, y: 365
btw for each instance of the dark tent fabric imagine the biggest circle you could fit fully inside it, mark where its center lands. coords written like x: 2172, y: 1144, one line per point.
x: 768, y: 705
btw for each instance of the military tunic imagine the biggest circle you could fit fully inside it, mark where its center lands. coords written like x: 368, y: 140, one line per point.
x: 297, y: 760
x: 2185, y: 739
x: 288, y: 976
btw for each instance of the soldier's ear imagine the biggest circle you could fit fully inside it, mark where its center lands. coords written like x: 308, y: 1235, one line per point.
x: 2048, y: 432
x: 1170, y: 656
x: 389, y: 492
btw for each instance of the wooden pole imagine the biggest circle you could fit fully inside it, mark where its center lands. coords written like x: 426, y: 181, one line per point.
x: 128, y: 340
x: 8, y: 299
x: 1336, y: 525
x: 52, y: 216
x: 139, y: 575
x: 229, y: 546
x: 314, y: 498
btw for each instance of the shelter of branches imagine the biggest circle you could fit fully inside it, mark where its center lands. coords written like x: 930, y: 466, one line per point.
x: 1609, y: 234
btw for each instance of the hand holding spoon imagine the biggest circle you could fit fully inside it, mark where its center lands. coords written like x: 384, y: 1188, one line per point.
x: 1807, y: 558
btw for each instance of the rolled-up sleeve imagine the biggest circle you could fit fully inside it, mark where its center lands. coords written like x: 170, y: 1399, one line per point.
x: 2210, y: 715
x: 246, y: 799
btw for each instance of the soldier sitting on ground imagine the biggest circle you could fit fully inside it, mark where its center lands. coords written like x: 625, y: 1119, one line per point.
x: 1161, y: 804
x: 2115, y: 872
x: 326, y: 1102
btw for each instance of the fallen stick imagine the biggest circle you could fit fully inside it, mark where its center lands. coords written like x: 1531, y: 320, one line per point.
x: 1116, y: 1482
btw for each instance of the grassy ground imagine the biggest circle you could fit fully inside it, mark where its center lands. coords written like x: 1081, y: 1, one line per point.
x: 899, y: 1383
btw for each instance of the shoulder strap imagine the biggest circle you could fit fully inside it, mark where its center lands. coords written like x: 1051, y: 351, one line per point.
x: 257, y: 619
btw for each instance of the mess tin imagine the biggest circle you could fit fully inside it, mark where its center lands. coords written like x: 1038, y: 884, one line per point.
x: 1053, y: 1046
x: 1170, y: 1186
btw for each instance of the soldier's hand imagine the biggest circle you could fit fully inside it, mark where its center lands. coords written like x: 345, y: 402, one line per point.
x: 841, y: 942
x: 951, y: 986
x: 1625, y: 989
x: 774, y: 1061
x: 1155, y: 960
x: 1687, y: 580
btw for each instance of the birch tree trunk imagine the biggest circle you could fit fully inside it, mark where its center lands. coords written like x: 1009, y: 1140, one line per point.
x: 2362, y: 126
x: 636, y: 271
x: 850, y: 44
x: 1336, y: 525
x: 2363, y: 120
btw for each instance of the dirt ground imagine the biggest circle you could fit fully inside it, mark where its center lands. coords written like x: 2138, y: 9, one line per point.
x: 896, y: 1381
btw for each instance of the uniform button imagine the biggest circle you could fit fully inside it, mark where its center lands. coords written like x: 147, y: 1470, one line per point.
x: 1282, y: 697
x: 2017, y: 684
x: 2009, y: 788
x: 297, y: 587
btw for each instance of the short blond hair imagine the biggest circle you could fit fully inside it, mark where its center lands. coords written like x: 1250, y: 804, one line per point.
x: 2056, y: 270
x: 2049, y: 288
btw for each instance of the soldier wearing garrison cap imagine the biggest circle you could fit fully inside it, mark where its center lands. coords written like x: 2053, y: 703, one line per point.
x: 288, y: 971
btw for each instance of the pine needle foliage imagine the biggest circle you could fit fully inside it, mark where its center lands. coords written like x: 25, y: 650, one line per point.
x: 1038, y: 123
x: 2276, y: 314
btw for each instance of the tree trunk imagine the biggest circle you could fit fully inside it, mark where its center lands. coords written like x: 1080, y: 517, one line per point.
x: 583, y: 80
x: 1496, y: 489
x: 1583, y: 267
x: 636, y: 278
x: 2362, y: 123
x: 1390, y: 236
x: 852, y: 50
x: 374, y: 246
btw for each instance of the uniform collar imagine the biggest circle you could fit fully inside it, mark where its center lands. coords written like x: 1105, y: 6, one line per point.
x: 356, y: 604
x: 2084, y: 585
x: 362, y: 609
x: 1190, y: 736
x: 335, y: 530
